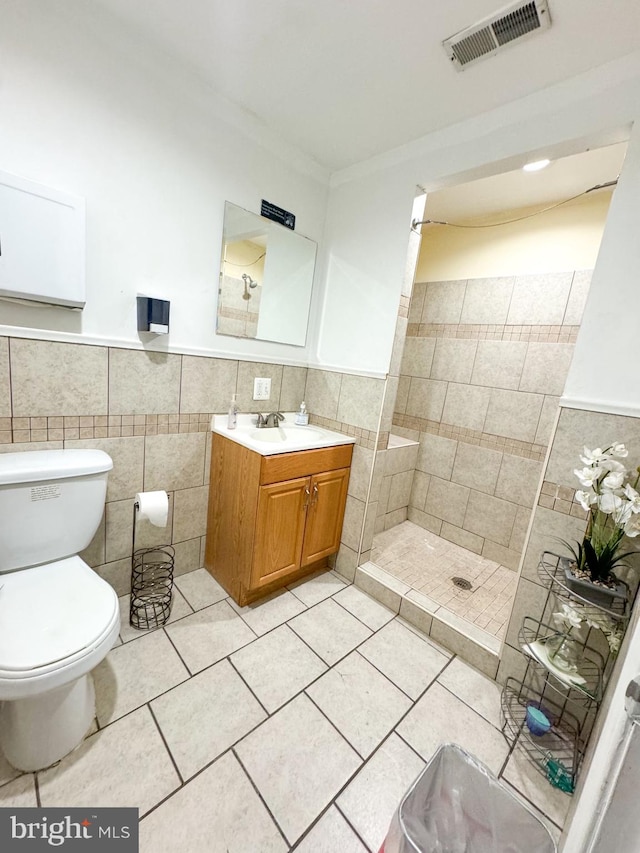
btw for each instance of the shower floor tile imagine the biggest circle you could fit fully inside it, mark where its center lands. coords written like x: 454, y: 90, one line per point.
x: 428, y: 563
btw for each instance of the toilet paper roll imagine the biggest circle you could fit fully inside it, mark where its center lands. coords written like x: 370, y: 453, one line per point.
x: 154, y: 506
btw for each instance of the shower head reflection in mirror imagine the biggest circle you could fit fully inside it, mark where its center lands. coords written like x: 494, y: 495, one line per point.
x: 266, y: 275
x: 248, y: 283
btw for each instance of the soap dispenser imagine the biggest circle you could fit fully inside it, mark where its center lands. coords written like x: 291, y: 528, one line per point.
x: 302, y: 415
x: 232, y: 419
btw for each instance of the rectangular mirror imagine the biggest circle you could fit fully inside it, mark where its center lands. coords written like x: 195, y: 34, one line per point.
x: 266, y: 275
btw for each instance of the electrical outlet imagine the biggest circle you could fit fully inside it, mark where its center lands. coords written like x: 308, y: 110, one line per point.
x: 261, y: 389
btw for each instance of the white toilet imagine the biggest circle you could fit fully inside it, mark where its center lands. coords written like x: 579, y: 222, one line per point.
x: 58, y: 618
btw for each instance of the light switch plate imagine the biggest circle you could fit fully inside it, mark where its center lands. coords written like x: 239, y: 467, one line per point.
x: 261, y: 388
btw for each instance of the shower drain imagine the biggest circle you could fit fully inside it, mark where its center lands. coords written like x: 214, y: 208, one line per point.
x: 462, y: 583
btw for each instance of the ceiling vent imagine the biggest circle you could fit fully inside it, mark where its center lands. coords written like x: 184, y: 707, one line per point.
x: 495, y: 32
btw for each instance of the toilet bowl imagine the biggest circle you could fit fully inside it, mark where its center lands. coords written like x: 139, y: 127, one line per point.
x: 58, y: 618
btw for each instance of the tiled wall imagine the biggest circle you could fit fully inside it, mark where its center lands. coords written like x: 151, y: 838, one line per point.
x: 399, y: 466
x: 151, y: 411
x: 352, y: 404
x: 558, y: 518
x: 236, y: 315
x: 484, y: 364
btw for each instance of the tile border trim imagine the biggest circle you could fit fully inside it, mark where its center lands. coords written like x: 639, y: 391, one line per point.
x: 511, y: 446
x: 560, y: 499
x: 74, y: 427
x: 495, y: 332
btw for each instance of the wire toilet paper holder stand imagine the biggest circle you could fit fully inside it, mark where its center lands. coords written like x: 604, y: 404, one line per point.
x: 151, y: 582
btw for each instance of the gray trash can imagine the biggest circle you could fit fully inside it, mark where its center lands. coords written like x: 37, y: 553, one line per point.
x: 456, y: 805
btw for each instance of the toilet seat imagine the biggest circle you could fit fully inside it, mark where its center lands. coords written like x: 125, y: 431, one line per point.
x: 57, y: 621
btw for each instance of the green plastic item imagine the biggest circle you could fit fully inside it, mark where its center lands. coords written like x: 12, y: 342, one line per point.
x: 559, y: 776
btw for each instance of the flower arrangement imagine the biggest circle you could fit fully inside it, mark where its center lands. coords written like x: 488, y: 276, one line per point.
x: 573, y: 616
x: 613, y: 504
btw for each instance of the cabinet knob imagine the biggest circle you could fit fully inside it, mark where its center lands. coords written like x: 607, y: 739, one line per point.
x: 314, y: 499
x: 307, y: 498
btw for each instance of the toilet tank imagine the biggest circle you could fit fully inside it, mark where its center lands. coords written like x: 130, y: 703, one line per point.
x: 51, y: 503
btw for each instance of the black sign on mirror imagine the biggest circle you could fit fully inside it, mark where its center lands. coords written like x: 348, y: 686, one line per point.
x: 277, y: 214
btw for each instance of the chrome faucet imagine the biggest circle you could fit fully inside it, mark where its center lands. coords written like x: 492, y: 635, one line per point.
x: 271, y: 420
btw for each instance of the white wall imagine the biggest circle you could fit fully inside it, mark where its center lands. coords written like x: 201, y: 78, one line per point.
x: 363, y: 259
x: 605, y: 374
x: 87, y: 109
x: 567, y: 238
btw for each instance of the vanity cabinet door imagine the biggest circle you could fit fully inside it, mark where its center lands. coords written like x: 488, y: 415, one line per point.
x: 325, y: 514
x: 280, y: 525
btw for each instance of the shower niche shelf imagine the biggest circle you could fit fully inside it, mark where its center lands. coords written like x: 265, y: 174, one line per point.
x: 568, y: 692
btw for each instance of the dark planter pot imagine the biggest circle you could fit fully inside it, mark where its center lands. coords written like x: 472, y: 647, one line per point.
x: 594, y: 593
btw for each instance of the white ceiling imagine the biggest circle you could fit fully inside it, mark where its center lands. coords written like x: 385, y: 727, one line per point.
x: 492, y: 198
x: 344, y: 80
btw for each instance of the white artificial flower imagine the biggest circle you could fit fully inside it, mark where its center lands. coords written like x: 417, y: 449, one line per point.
x: 613, y: 481
x: 590, y: 457
x: 619, y: 450
x: 622, y: 514
x: 570, y: 616
x: 614, y: 641
x: 587, y: 476
x: 599, y: 620
x: 609, y: 503
x: 586, y: 499
x: 609, y: 627
x: 633, y: 497
x: 632, y: 527
x: 613, y: 466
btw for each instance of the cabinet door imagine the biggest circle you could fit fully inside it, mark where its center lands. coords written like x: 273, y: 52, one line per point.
x: 282, y: 509
x: 325, y: 515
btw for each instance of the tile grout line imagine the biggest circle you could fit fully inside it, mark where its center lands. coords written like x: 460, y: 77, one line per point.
x: 317, y: 654
x: 316, y: 821
x: 471, y: 708
x: 264, y: 634
x: 166, y: 745
x: 352, y: 827
x: 227, y: 658
x: 201, y: 770
x: 260, y: 797
x: 393, y: 615
x: 182, y: 661
x: 343, y: 737
x: 247, y: 685
x: 366, y: 760
x: 291, y: 699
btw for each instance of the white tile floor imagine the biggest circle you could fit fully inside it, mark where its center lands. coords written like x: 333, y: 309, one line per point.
x: 427, y: 563
x: 294, y: 724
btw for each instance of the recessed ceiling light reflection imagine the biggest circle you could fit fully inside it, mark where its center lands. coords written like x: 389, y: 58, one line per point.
x: 536, y: 166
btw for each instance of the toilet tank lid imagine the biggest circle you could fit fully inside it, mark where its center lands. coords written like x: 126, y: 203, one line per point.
x: 36, y: 465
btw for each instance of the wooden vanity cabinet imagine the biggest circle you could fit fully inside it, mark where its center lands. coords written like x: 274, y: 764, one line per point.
x: 273, y: 519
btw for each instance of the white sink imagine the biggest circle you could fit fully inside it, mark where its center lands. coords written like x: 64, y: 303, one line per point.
x: 287, y: 434
x: 281, y: 439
